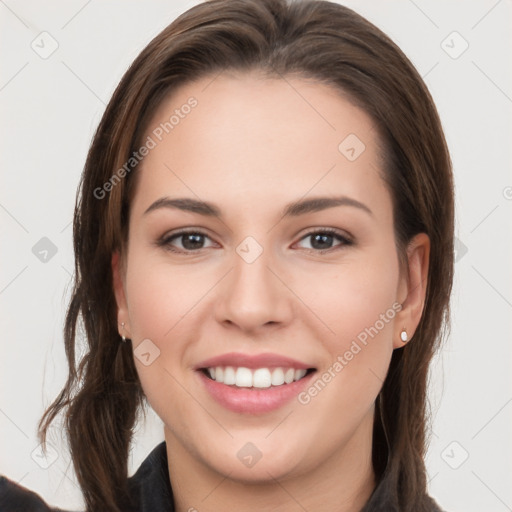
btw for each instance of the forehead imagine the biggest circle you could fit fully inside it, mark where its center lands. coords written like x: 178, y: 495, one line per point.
x: 250, y: 136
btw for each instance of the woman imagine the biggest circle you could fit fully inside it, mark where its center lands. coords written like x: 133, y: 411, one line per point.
x: 264, y: 254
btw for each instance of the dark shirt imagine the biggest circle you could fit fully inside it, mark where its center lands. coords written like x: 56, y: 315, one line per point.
x: 150, y: 489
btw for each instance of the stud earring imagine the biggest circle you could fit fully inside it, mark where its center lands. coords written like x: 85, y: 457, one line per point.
x: 403, y: 336
x: 122, y: 335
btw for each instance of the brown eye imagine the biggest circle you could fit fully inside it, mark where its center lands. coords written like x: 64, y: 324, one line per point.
x: 192, y: 241
x: 185, y: 241
x: 325, y: 239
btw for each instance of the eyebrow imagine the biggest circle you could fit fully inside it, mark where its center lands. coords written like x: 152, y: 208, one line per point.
x: 293, y: 209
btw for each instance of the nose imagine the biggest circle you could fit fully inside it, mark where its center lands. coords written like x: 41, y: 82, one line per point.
x: 254, y: 296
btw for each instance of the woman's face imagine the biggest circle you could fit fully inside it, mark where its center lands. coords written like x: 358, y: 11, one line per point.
x: 289, y: 268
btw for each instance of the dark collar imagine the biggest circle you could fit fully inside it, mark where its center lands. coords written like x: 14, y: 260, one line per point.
x: 151, y: 489
x: 150, y: 486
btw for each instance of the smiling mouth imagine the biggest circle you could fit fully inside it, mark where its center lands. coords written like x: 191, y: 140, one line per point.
x: 260, y: 378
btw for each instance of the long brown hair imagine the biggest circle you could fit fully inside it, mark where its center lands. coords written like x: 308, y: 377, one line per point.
x: 313, y: 39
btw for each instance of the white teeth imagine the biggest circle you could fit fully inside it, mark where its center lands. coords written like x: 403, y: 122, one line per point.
x: 243, y: 378
x: 289, y: 375
x: 299, y: 374
x: 277, y: 377
x: 261, y: 378
x: 229, y: 375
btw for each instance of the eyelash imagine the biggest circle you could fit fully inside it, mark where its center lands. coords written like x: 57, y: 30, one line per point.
x: 166, y: 240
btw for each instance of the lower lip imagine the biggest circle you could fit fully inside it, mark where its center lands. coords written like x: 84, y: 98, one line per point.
x: 254, y: 400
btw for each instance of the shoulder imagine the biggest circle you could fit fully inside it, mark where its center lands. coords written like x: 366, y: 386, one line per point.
x: 16, y: 498
x: 149, y: 489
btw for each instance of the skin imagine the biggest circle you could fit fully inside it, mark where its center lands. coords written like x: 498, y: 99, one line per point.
x: 251, y: 146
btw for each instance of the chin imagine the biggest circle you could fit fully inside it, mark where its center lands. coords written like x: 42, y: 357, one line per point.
x: 258, y: 462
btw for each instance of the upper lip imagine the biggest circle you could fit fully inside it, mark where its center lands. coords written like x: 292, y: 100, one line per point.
x: 265, y: 360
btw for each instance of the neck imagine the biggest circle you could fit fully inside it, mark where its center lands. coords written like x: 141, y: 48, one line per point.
x: 343, y: 482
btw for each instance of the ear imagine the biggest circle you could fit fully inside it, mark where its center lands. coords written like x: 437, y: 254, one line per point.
x: 412, y: 288
x: 119, y: 292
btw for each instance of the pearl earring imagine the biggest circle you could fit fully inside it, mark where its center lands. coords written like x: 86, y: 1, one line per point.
x: 403, y: 336
x: 122, y: 335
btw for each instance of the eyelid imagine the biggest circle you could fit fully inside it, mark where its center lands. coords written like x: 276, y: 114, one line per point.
x: 332, y: 231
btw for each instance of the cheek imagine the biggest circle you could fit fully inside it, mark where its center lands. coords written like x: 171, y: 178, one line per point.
x: 155, y: 298
x: 159, y: 296
x: 160, y: 302
x: 353, y: 298
x: 168, y: 305
x: 358, y: 304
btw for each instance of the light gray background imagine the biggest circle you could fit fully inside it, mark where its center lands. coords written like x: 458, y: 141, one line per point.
x: 49, y: 110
